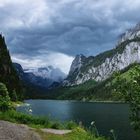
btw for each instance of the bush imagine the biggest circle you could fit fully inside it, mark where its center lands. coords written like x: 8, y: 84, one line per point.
x: 130, y: 89
x: 14, y: 96
x: 71, y: 125
x: 5, y: 103
x: 56, y: 125
x: 34, y: 121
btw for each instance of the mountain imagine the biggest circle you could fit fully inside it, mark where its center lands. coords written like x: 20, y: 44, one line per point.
x: 8, y: 74
x: 102, y: 66
x: 41, y: 77
x: 95, y: 91
x: 49, y: 72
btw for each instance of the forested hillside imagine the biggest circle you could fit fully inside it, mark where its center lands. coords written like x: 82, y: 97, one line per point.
x: 8, y: 74
x: 95, y: 91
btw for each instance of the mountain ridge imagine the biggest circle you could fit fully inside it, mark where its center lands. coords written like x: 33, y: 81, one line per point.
x: 43, y: 77
x: 100, y: 67
x: 48, y: 72
x: 97, y: 91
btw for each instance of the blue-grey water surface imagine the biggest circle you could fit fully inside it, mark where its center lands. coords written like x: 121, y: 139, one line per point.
x: 106, y: 115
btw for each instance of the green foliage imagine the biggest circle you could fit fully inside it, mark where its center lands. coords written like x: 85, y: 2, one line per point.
x: 76, y: 134
x: 56, y: 125
x: 70, y: 125
x: 81, y: 134
x: 5, y: 103
x: 113, y: 134
x: 130, y: 90
x: 8, y: 74
x: 73, y: 92
x: 34, y: 121
x: 105, y: 90
x: 93, y: 129
x: 100, y: 59
x: 14, y: 96
x: 94, y: 91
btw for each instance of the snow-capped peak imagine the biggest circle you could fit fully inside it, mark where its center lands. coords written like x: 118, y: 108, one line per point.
x: 48, y: 72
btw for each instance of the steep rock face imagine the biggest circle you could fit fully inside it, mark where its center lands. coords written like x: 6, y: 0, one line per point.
x: 103, y: 65
x: 77, y: 63
x: 130, y: 34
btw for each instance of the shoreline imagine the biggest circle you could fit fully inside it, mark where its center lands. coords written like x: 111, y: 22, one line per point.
x: 90, y: 101
x: 17, y: 104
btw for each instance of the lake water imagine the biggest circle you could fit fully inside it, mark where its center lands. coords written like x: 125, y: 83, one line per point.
x: 106, y: 115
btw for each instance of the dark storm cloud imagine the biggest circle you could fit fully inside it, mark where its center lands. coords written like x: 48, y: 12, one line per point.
x: 67, y: 27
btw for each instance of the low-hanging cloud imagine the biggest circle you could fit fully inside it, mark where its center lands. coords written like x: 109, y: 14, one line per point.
x: 59, y: 29
x: 57, y: 60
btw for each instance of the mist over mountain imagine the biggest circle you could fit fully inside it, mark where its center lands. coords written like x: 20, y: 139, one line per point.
x: 42, y: 77
x: 48, y: 72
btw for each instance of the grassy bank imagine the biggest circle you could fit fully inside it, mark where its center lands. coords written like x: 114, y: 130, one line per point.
x: 78, y: 133
x: 8, y: 113
x: 33, y: 121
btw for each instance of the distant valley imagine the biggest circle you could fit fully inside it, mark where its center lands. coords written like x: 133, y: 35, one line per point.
x: 92, y: 78
x: 89, y: 78
x: 39, y: 80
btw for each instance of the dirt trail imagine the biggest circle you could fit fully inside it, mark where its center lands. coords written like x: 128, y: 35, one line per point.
x: 11, y: 131
x: 55, y: 131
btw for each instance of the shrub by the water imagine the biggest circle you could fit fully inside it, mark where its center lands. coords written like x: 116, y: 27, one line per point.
x: 34, y: 121
x: 5, y: 103
x: 14, y: 96
x: 130, y: 89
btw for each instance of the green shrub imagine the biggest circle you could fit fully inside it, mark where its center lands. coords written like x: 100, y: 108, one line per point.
x: 14, y: 96
x: 71, y: 125
x: 129, y: 87
x: 38, y: 122
x: 34, y: 121
x: 56, y: 125
x: 5, y: 103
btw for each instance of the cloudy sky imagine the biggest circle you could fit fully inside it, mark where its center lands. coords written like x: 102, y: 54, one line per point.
x: 52, y: 32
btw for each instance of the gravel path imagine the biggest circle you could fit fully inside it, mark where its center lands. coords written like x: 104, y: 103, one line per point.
x: 11, y: 131
x: 55, y: 131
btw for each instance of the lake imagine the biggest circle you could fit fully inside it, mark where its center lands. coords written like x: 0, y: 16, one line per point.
x: 106, y: 115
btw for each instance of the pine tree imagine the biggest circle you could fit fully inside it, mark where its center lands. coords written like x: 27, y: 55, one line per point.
x: 5, y: 103
x: 8, y: 74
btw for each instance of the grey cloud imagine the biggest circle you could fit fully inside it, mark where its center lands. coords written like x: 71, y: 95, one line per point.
x: 68, y: 27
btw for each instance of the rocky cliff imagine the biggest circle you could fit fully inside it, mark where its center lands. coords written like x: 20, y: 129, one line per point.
x: 100, y: 67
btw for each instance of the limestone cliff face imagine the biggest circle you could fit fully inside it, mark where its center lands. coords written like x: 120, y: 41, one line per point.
x: 103, y: 65
x: 130, y: 34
